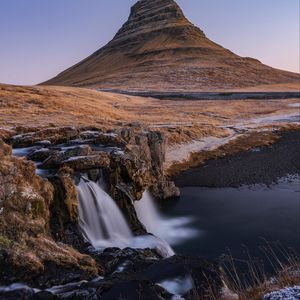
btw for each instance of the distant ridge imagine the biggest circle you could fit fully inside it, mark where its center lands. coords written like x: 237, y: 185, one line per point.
x: 158, y: 49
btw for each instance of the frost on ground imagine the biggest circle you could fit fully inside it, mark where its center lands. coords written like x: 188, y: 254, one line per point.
x: 290, y: 293
x: 181, y: 152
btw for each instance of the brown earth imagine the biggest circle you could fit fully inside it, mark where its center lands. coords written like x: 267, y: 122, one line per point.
x: 158, y: 49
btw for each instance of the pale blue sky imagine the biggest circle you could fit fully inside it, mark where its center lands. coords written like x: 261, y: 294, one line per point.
x: 40, y: 38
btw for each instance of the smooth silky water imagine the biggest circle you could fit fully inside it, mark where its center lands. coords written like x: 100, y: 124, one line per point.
x: 174, y: 230
x: 103, y: 224
x: 239, y: 219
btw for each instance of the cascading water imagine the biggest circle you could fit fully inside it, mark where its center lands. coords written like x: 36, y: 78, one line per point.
x: 103, y: 225
x: 100, y: 220
x: 174, y: 231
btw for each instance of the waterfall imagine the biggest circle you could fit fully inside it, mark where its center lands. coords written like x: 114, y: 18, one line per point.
x: 100, y: 219
x: 173, y: 230
x: 103, y: 224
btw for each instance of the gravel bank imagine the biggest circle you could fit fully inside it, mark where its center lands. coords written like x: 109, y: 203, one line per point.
x: 259, y: 165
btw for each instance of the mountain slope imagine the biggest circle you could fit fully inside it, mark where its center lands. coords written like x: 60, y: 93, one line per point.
x: 159, y: 49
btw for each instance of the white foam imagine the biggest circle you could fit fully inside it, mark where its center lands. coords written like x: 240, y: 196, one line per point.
x: 104, y: 226
x: 173, y: 230
x: 177, y: 286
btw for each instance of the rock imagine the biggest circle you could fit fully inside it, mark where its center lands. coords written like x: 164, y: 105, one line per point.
x: 124, y: 198
x: 110, y: 139
x: 44, y: 143
x: 81, y: 163
x: 203, y: 273
x: 64, y: 211
x: 28, y: 252
x: 165, y: 190
x: 289, y: 293
x: 156, y: 142
x: 127, y: 134
x: 147, y: 150
x: 125, y: 262
x: 39, y: 154
x: 59, y: 157
x: 90, y: 134
x: 53, y: 135
x: 16, y: 291
x: 133, y: 290
x: 45, y: 295
x: 95, y: 174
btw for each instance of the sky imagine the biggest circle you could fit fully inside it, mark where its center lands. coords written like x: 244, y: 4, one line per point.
x: 40, y: 38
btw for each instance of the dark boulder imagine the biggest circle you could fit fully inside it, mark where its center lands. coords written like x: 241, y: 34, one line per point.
x: 99, y: 160
x: 133, y: 290
x: 16, y: 291
x: 57, y: 158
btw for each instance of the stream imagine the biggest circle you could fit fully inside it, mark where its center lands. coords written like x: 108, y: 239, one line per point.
x: 239, y: 219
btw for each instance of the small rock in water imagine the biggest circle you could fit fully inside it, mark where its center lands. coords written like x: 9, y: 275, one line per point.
x: 290, y: 293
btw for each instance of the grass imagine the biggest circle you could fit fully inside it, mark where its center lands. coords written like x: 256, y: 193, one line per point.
x: 182, y: 121
x: 248, y: 279
x: 254, y: 282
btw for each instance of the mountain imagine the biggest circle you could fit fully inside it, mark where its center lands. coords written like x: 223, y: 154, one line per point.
x: 158, y: 49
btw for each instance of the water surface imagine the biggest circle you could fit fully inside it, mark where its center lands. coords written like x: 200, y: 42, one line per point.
x: 231, y: 218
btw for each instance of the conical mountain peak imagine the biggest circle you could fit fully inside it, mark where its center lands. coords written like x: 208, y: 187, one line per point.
x: 148, y: 16
x: 147, y: 7
x: 158, y: 49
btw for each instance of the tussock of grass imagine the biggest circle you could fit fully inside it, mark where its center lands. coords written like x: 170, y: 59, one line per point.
x: 254, y: 283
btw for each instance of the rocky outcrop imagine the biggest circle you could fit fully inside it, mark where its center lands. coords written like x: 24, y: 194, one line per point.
x: 131, y: 160
x: 136, y: 274
x: 28, y: 252
x: 64, y: 210
x: 40, y: 243
x: 44, y: 136
x: 158, y: 49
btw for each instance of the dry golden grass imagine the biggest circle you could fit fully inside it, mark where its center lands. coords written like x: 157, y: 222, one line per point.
x: 285, y: 268
x: 283, y: 87
x: 182, y: 121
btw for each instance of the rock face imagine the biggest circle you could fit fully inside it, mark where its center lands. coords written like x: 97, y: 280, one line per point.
x: 158, y: 49
x: 28, y: 251
x: 131, y: 160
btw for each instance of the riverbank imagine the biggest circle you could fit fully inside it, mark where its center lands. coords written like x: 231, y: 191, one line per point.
x: 258, y: 165
x: 245, y: 206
